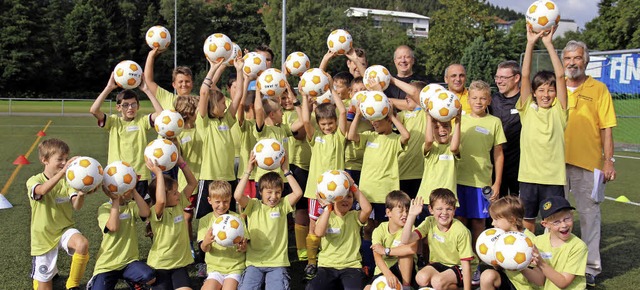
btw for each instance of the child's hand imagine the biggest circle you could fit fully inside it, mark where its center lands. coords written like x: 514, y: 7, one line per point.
x: 238, y: 63
x: 242, y: 246
x: 143, y: 85
x: 153, y: 166
x: 330, y: 54
x: 69, y: 162
x: 547, y: 37
x: 114, y: 197
x: 532, y: 37
x: 252, y: 162
x: 155, y: 51
x: 111, y: 83
x: 378, y: 249
x: 416, y: 206
x: 208, y: 237
x: 374, y: 84
x: 536, y: 260
x: 392, y: 280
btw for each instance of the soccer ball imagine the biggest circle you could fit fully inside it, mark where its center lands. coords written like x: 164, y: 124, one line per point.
x: 314, y: 82
x: 380, y: 283
x: 375, y: 106
x: 271, y: 83
x: 227, y: 230
x: 513, y: 251
x: 128, y: 74
x: 297, y: 63
x: 377, y: 73
x: 339, y: 41
x: 325, y: 98
x: 485, y: 245
x: 269, y: 154
x: 158, y: 36
x: 162, y: 151
x: 333, y: 186
x: 119, y: 177
x: 169, y: 124
x: 254, y: 64
x: 427, y: 92
x: 84, y: 174
x: 235, y: 53
x: 356, y: 99
x: 443, y: 106
x: 543, y: 15
x: 218, y: 47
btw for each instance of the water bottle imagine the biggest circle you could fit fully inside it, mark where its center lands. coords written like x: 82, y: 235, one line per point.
x: 487, y: 192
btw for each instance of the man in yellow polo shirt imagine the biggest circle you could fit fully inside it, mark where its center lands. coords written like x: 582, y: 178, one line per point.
x: 587, y: 136
x: 455, y: 76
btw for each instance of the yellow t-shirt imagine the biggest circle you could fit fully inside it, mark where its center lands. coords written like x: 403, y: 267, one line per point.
x: 464, y: 100
x: 352, y: 153
x: 516, y: 277
x: 170, y: 248
x: 542, y: 143
x: 570, y: 257
x: 410, y: 161
x: 340, y: 247
x: 225, y: 260
x: 118, y: 248
x: 165, y: 98
x: 191, y: 151
x: 447, y: 248
x: 247, y: 141
x: 478, y: 137
x: 590, y: 110
x: 235, y: 135
x: 127, y: 141
x: 327, y: 153
x: 299, y: 150
x: 267, y: 228
x: 382, y: 236
x: 51, y: 214
x: 217, y: 147
x: 280, y: 133
x: 439, y: 170
x: 380, y: 174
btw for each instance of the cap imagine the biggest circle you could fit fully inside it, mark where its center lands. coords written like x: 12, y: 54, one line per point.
x: 553, y: 205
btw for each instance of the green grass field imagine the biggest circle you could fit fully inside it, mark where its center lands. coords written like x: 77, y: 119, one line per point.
x: 66, y: 107
x: 620, y: 228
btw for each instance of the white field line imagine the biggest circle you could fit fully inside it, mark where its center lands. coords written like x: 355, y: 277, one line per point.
x: 631, y: 202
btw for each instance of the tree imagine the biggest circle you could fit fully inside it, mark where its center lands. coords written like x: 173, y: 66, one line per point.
x: 616, y: 27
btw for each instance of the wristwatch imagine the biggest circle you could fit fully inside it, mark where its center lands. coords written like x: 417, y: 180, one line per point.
x: 288, y: 173
x: 387, y: 251
x: 613, y: 160
x: 296, y: 103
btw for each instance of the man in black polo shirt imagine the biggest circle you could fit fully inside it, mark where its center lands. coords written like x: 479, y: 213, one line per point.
x: 404, y: 59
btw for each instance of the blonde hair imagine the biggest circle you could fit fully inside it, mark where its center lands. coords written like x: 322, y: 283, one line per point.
x: 50, y: 147
x: 220, y: 189
x: 509, y: 208
x: 480, y: 86
x: 215, y: 95
x: 186, y: 106
x: 270, y: 106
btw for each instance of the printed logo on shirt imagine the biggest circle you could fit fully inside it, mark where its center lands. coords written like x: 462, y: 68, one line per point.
x: 319, y: 140
x: 334, y: 231
x: 482, y: 130
x: 125, y: 216
x: 274, y: 214
x: 178, y: 219
x: 373, y: 145
x: 438, y: 238
x: 410, y: 115
x: 186, y: 139
x: 132, y: 128
x: 445, y: 157
x: 395, y: 243
x: 546, y: 255
x: 223, y: 128
x: 62, y: 199
x: 514, y: 111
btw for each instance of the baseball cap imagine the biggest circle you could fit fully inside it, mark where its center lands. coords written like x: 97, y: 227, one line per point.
x: 553, y: 205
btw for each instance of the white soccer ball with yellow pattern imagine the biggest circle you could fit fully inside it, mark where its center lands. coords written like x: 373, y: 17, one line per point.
x: 84, y: 174
x: 254, y: 64
x: 333, y: 186
x: 380, y: 283
x: 375, y: 106
x: 169, y: 124
x: 272, y: 83
x: 119, y: 177
x: 314, y: 82
x: 269, y: 154
x: 297, y: 63
x: 158, y: 36
x: 339, y: 41
x: 228, y: 230
x: 427, y: 92
x: 485, y: 245
x: 379, y: 74
x: 127, y: 74
x: 217, y: 47
x: 443, y: 106
x: 236, y: 52
x: 542, y: 15
x: 162, y: 151
x: 514, y: 251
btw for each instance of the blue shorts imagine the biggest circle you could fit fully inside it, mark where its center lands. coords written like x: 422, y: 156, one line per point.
x: 272, y: 277
x: 473, y: 205
x: 136, y: 271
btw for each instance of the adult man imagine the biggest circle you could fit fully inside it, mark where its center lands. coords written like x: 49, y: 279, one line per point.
x: 503, y: 106
x: 455, y: 76
x: 587, y: 136
x: 181, y: 81
x: 403, y: 58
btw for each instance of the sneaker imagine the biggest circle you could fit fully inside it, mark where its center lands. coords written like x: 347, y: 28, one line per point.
x: 591, y: 280
x: 475, y: 280
x: 310, y: 271
x: 202, y: 270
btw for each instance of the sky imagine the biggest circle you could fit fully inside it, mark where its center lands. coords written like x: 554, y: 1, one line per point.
x: 581, y: 11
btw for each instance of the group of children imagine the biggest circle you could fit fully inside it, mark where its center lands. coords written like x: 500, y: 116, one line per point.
x: 373, y: 226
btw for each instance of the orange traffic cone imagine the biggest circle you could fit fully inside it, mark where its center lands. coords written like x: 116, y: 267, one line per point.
x: 21, y: 160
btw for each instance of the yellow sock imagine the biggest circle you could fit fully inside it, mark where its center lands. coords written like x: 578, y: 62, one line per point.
x: 301, y: 242
x: 35, y: 284
x: 313, y: 242
x: 78, y: 265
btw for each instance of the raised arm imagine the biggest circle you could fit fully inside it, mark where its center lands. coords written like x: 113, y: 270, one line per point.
x: 525, y: 86
x: 558, y: 68
x: 404, y: 133
x: 309, y: 129
x: 428, y: 134
x: 48, y: 185
x: 296, y: 190
x: 454, y: 147
x: 236, y: 97
x: 205, y: 88
x: 242, y: 199
x: 192, y: 182
x: 143, y: 207
x: 95, y: 108
x: 365, y: 205
x: 325, y: 60
x: 408, y: 234
x: 323, y: 221
x: 152, y: 97
x: 161, y: 193
x: 353, y: 129
x: 148, y: 70
x: 258, y: 110
x: 342, y: 111
x: 113, y: 223
x: 353, y: 57
x: 240, y: 113
x: 411, y: 91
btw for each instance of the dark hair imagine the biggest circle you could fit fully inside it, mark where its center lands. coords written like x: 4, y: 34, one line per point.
x: 358, y: 80
x: 397, y: 198
x: 343, y: 76
x: 266, y: 48
x: 126, y: 95
x: 443, y: 194
x: 511, y: 64
x: 181, y: 70
x: 326, y: 111
x: 232, y: 79
x: 270, y: 180
x: 249, y: 98
x: 544, y: 77
x: 360, y: 52
x: 168, y: 184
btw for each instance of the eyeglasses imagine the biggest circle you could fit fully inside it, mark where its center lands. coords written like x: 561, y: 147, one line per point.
x: 127, y: 106
x: 501, y: 78
x: 564, y: 220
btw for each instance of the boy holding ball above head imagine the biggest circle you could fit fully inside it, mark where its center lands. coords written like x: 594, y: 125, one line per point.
x: 181, y: 81
x: 560, y: 256
x: 543, y: 113
x: 450, y: 251
x: 52, y: 203
x: 266, y: 259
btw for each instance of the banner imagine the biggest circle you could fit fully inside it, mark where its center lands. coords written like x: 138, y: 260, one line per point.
x: 620, y: 72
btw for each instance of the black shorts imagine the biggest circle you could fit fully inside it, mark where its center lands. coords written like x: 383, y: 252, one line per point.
x: 172, y: 279
x: 396, y: 272
x: 531, y: 194
x: 331, y: 278
x: 410, y: 187
x: 456, y: 269
x: 505, y: 283
x: 301, y: 177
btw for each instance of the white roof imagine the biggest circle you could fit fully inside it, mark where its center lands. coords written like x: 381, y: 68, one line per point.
x: 364, y: 12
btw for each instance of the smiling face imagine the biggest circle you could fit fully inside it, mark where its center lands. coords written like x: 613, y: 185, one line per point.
x: 345, y: 204
x: 183, y: 84
x: 479, y: 100
x: 441, y: 132
x: 574, y: 63
x: 455, y: 78
x: 442, y: 212
x: 271, y: 196
x: 220, y: 205
x: 382, y: 126
x: 403, y: 59
x: 507, y: 81
x: 327, y: 125
x: 55, y: 163
x: 560, y: 225
x: 545, y: 94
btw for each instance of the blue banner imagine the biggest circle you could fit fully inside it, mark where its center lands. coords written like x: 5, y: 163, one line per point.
x: 620, y: 72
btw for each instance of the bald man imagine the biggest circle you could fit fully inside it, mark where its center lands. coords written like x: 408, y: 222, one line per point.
x: 455, y: 76
x: 404, y: 59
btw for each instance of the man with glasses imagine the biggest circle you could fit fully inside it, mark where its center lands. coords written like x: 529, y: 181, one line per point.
x: 503, y: 106
x: 455, y: 76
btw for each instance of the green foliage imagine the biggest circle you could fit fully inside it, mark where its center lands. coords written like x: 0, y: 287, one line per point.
x: 616, y: 27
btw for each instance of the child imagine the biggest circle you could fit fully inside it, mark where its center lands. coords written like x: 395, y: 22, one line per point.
x: 246, y: 125
x: 52, y: 203
x: 480, y: 133
x: 352, y: 154
x: 542, y: 168
x: 214, y: 122
x: 560, y: 256
x: 339, y: 227
x: 327, y: 153
x: 507, y: 214
x: 170, y: 253
x: 224, y: 264
x: 127, y: 133
x: 118, y: 257
x: 450, y: 250
x: 394, y: 259
x: 181, y: 81
x: 267, y: 257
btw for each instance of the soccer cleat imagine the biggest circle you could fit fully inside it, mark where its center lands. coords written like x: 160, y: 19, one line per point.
x: 310, y: 271
x: 475, y: 280
x: 591, y: 280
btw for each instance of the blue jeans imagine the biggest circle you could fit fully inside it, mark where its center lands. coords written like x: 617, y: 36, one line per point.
x: 136, y: 271
x: 276, y: 278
